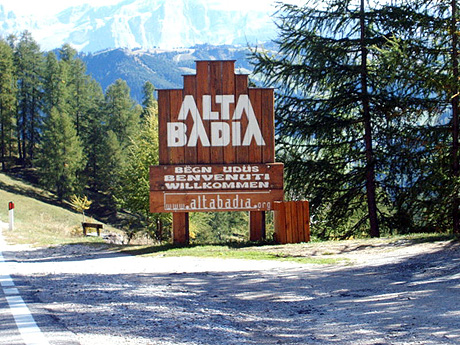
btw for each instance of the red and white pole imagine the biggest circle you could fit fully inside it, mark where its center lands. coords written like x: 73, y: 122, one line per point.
x: 11, y: 214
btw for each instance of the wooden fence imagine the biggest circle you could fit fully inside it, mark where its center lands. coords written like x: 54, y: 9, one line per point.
x: 292, y: 221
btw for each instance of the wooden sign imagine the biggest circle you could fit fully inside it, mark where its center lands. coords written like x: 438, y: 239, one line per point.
x: 209, y: 133
x: 216, y: 119
x: 211, y: 188
x: 216, y: 201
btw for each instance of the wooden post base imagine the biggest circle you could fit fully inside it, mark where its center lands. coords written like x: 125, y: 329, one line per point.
x: 292, y: 222
x: 180, y: 226
x: 257, y: 226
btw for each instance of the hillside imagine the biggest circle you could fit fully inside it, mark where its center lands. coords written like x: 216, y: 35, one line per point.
x: 39, y: 219
x: 163, y: 68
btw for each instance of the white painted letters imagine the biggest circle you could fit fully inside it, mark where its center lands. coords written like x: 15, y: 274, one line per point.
x: 177, y: 134
x: 220, y: 133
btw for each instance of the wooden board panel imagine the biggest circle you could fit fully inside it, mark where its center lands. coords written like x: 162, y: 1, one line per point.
x: 216, y: 176
x: 268, y: 125
x: 163, y: 108
x: 218, y: 108
x: 292, y: 221
x: 225, y: 200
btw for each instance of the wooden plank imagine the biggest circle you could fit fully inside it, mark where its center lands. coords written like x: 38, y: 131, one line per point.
x: 301, y: 221
x: 241, y: 87
x: 255, y: 151
x: 190, y: 153
x: 256, y: 226
x: 163, y: 109
x: 268, y: 125
x: 177, y: 154
x: 306, y: 206
x: 203, y: 88
x: 216, y: 81
x: 280, y: 222
x: 289, y: 238
x: 216, y: 176
x: 180, y: 228
x: 217, y: 201
x: 228, y: 88
x: 295, y: 222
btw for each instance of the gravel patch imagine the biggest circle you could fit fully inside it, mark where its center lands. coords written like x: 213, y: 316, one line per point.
x: 385, y: 293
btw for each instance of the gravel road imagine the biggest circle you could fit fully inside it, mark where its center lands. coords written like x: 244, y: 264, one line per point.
x: 398, y: 293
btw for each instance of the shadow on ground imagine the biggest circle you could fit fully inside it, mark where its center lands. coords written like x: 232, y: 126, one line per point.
x: 414, y: 301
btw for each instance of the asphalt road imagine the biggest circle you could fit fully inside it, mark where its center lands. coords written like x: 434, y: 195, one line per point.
x: 386, y: 295
x: 23, y: 321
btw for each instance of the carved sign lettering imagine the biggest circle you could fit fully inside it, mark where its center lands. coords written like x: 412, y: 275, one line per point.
x: 221, y: 133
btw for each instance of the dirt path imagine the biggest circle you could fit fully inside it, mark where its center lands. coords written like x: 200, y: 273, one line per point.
x: 385, y: 293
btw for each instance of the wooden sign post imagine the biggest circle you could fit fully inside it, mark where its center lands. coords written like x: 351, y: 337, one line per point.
x: 217, y: 149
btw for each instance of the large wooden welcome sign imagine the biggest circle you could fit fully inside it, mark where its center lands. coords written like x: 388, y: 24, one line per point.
x: 217, y: 146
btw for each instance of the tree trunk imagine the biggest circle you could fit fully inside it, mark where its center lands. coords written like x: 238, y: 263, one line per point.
x: 370, y: 160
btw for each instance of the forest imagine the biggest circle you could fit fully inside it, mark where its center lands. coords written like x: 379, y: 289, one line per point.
x: 367, y: 123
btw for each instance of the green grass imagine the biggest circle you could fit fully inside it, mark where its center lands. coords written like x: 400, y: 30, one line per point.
x: 247, y: 252
x: 38, y: 219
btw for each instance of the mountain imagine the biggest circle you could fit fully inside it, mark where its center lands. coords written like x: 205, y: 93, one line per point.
x: 146, y: 24
x: 164, y: 69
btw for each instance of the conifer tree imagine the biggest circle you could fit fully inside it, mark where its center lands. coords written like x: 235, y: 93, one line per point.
x: 29, y: 63
x: 85, y: 94
x: 133, y: 189
x: 7, y: 101
x: 52, y: 83
x: 122, y: 114
x: 333, y: 103
x: 61, y: 155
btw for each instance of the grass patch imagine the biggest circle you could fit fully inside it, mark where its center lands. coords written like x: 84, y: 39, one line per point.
x: 425, y: 237
x: 38, y: 219
x: 225, y: 252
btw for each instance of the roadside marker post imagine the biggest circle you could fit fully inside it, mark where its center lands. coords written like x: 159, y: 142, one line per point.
x: 11, y: 215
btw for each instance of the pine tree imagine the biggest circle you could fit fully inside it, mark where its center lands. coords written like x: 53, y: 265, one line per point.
x: 52, y: 83
x: 423, y: 60
x: 7, y: 101
x: 133, y: 189
x: 333, y: 106
x: 61, y: 155
x: 29, y: 62
x: 122, y: 113
x: 85, y: 93
x: 149, y: 101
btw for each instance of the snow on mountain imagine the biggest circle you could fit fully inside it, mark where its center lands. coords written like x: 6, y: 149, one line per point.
x: 143, y: 24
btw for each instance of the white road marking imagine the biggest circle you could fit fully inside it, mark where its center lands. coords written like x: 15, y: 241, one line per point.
x: 11, y: 291
x: 30, y: 332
